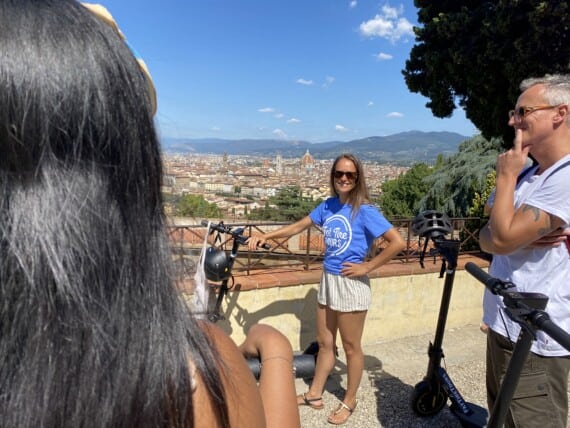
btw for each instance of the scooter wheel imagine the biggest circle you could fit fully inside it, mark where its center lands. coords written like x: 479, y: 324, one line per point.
x: 428, y: 398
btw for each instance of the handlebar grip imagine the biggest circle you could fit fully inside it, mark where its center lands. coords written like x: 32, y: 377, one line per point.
x: 303, y: 364
x: 494, y: 285
x: 479, y: 274
x: 542, y: 320
x: 265, y: 246
x: 204, y: 223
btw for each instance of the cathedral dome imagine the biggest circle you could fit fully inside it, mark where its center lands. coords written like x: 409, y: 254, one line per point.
x: 307, y: 159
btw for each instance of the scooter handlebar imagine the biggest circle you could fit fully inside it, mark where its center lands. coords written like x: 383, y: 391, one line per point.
x: 478, y: 273
x: 303, y: 366
x: 542, y: 320
x: 539, y: 318
x: 236, y: 234
x: 495, y: 285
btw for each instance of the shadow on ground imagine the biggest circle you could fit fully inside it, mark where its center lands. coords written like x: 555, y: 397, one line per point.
x: 384, y: 401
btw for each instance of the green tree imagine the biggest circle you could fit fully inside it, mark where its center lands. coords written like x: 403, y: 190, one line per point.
x: 480, y: 198
x: 196, y: 206
x: 400, y: 197
x: 473, y: 54
x: 267, y: 213
x: 453, y: 185
x: 287, y: 205
x: 470, y: 232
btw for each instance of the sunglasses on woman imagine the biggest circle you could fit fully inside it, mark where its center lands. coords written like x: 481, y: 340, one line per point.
x: 350, y: 175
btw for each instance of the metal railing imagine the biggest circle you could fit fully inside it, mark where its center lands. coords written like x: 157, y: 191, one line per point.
x: 305, y: 250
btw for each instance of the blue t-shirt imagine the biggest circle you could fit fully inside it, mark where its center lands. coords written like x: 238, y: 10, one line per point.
x: 347, y: 238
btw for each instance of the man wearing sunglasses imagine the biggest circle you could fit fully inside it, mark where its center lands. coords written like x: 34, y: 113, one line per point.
x: 529, y: 214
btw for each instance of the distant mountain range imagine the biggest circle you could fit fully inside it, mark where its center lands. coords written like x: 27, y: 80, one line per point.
x: 402, y: 148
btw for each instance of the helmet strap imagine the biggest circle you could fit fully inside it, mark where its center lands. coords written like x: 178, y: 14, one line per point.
x: 423, y: 252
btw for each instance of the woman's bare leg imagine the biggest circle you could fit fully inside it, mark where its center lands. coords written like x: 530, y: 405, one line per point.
x: 351, y: 327
x: 326, y: 335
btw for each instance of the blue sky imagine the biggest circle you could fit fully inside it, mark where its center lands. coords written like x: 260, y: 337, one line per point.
x: 313, y: 70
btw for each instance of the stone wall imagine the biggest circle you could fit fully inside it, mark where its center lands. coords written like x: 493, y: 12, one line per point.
x: 402, y: 306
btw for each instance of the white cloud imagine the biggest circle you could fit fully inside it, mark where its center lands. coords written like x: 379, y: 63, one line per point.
x: 278, y: 116
x: 353, y: 4
x: 341, y: 128
x: 294, y: 120
x: 215, y: 128
x: 388, y: 25
x: 395, y: 114
x: 306, y: 82
x: 279, y: 133
x: 370, y: 103
x: 377, y: 27
x: 381, y: 56
x: 266, y: 110
x: 404, y: 28
x: 391, y: 12
x: 329, y: 80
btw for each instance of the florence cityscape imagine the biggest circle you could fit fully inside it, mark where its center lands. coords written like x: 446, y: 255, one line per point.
x: 238, y: 184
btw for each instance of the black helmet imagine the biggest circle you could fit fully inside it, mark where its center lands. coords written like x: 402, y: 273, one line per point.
x: 216, y: 265
x: 431, y: 224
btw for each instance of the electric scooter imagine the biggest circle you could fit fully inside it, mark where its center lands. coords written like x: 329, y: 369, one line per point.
x: 303, y: 364
x: 431, y: 394
x: 527, y: 309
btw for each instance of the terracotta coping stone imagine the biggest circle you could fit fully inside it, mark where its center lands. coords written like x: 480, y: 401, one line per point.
x: 291, y: 276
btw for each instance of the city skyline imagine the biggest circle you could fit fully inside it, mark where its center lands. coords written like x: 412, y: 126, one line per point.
x: 217, y: 177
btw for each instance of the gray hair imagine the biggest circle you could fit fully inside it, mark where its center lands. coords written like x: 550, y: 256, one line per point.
x: 556, y: 88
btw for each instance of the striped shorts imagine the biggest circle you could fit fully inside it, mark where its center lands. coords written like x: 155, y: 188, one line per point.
x: 344, y: 294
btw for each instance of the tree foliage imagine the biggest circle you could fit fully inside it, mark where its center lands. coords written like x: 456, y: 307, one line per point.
x: 474, y: 54
x: 453, y: 185
x: 288, y: 205
x: 196, y: 206
x: 400, y: 197
x: 480, y: 198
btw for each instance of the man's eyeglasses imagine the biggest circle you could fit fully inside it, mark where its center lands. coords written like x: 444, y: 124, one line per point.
x: 524, y: 111
x: 348, y: 174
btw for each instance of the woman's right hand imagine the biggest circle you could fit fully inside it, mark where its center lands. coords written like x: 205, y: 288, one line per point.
x: 255, y: 241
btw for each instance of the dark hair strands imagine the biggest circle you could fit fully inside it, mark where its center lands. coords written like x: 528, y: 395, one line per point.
x: 93, y: 331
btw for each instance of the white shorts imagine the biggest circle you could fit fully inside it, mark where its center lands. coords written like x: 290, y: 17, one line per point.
x: 344, y: 294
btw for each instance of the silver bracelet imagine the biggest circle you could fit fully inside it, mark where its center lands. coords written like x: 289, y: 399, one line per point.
x: 280, y: 358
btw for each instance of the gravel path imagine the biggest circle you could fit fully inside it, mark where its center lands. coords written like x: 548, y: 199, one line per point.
x: 392, y: 369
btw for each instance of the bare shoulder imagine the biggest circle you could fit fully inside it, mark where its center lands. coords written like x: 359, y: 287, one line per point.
x: 244, y: 403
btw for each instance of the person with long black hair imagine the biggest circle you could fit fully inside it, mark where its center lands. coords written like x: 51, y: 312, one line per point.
x: 93, y: 332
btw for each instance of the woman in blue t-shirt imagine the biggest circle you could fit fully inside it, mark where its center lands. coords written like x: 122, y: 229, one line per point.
x: 350, y: 225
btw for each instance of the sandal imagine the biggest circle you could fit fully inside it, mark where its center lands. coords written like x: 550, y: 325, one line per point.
x: 341, y: 414
x: 302, y: 400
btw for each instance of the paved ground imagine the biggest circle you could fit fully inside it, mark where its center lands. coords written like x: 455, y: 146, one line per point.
x: 392, y: 369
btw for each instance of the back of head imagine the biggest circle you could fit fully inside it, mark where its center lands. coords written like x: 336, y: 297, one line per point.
x: 93, y: 333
